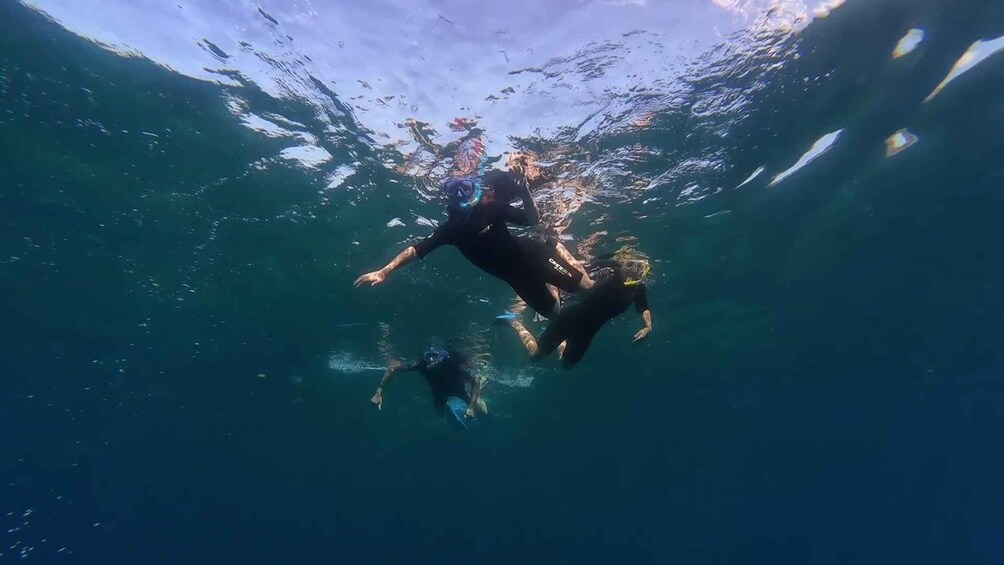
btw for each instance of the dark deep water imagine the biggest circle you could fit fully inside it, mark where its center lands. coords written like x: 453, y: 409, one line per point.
x: 824, y: 380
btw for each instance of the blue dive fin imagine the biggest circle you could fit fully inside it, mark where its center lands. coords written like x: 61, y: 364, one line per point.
x: 456, y: 414
x: 505, y: 318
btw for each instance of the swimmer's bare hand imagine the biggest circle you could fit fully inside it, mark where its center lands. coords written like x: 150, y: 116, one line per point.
x: 470, y: 413
x: 374, y: 278
x: 377, y: 399
x: 642, y: 334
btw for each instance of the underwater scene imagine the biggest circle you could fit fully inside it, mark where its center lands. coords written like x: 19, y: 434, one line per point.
x: 446, y: 281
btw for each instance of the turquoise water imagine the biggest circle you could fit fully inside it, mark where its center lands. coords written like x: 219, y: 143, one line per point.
x: 190, y: 188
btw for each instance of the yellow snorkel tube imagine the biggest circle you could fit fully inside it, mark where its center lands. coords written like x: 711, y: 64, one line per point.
x: 646, y: 269
x: 626, y: 256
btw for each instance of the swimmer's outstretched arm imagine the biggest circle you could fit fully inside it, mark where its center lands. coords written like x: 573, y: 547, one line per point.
x: 377, y: 277
x: 643, y: 333
x: 438, y: 238
x: 394, y: 367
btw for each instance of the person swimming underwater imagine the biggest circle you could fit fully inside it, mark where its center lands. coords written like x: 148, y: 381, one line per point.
x: 619, y: 284
x: 477, y: 225
x: 448, y: 374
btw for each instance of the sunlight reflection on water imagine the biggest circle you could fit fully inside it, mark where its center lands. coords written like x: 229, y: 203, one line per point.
x: 821, y: 146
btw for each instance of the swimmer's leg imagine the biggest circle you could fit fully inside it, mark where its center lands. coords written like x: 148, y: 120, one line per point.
x: 537, y: 294
x: 556, y: 333
x: 585, y: 283
x: 480, y: 405
x: 555, y: 308
x: 529, y: 342
x: 577, y: 346
x: 554, y: 312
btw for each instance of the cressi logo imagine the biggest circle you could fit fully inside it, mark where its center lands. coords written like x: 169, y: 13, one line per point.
x: 558, y: 267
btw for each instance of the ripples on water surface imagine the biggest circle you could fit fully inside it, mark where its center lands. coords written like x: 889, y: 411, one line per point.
x: 190, y: 188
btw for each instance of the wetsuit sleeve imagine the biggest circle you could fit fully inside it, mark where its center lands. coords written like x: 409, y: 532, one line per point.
x: 413, y: 366
x: 442, y: 236
x: 640, y: 299
x: 513, y: 215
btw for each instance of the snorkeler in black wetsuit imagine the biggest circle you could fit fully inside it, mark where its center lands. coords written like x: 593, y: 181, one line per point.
x: 619, y: 284
x: 448, y: 374
x: 477, y: 226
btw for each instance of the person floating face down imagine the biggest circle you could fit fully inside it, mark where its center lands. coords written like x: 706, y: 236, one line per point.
x: 477, y: 225
x: 448, y: 374
x: 619, y: 284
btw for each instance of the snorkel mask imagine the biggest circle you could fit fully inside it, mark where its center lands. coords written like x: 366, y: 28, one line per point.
x: 463, y: 193
x: 434, y: 357
x: 636, y: 272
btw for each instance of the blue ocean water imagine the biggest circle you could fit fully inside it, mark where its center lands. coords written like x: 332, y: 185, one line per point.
x: 188, y: 190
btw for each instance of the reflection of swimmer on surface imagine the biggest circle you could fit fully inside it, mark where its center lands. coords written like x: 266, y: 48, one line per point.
x: 459, y: 157
x: 469, y: 156
x: 619, y: 283
x: 477, y: 225
x: 449, y: 373
x: 557, y: 199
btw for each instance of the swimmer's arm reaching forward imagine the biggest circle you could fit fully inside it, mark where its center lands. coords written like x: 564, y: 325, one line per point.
x: 392, y: 370
x: 442, y: 236
x: 377, y: 277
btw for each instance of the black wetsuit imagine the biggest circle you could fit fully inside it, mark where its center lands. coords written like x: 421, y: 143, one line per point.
x: 451, y: 377
x: 503, y: 184
x: 579, y: 322
x: 528, y: 264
